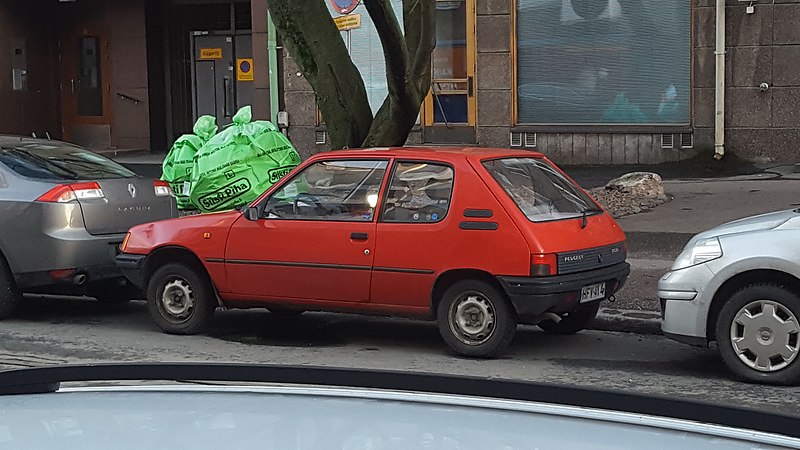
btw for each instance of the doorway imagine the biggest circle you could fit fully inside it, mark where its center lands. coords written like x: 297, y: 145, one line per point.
x: 450, y: 107
x: 86, y: 86
x: 222, y: 74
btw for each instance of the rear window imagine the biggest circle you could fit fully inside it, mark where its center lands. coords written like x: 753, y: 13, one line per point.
x: 59, y: 161
x: 539, y: 190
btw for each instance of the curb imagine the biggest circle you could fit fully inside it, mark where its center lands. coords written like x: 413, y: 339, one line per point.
x: 628, y: 321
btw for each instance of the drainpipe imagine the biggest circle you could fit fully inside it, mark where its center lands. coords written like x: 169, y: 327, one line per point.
x: 719, y: 90
x: 272, y: 51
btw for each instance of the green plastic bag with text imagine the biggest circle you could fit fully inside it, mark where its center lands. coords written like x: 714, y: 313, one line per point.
x: 178, y: 165
x: 240, y: 163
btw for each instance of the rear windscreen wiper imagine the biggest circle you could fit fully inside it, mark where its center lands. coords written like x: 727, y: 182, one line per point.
x: 41, y: 159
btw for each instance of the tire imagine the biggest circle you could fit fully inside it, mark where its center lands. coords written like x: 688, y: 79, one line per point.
x: 10, y: 297
x: 573, y: 322
x: 485, y: 340
x: 184, y: 282
x: 747, y: 334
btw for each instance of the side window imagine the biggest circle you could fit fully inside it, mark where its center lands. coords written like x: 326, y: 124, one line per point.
x: 330, y: 190
x: 418, y: 193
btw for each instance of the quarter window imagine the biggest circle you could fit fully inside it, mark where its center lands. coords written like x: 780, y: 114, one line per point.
x: 330, y: 190
x: 418, y: 193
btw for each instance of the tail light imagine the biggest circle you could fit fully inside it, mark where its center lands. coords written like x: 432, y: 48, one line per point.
x: 162, y: 188
x: 544, y: 264
x: 64, y: 193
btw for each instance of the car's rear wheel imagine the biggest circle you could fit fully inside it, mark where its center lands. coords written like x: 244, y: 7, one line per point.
x: 572, y: 322
x: 10, y: 297
x: 475, y: 319
x: 180, y: 299
x: 758, y: 334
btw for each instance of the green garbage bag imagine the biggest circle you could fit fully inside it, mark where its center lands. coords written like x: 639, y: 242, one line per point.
x: 177, y: 167
x: 240, y: 163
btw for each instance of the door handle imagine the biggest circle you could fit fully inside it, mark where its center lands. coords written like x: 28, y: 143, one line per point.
x: 359, y: 236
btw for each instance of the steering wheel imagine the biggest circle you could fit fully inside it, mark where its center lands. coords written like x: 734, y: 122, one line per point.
x: 296, y: 205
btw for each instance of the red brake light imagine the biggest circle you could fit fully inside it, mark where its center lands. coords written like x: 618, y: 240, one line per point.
x: 161, y: 188
x: 544, y: 264
x: 64, y: 193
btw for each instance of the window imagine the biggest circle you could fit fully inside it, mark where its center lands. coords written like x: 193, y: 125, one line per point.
x: 90, y: 81
x: 603, y: 62
x: 539, y: 190
x: 330, y: 190
x: 59, y: 162
x: 418, y: 193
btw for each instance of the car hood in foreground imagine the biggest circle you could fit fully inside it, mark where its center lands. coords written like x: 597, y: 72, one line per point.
x: 761, y: 222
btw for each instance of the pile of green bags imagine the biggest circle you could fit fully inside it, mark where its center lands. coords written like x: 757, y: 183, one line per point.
x: 179, y: 163
x: 236, y: 165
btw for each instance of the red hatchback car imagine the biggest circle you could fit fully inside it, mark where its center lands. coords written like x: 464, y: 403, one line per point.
x: 476, y: 239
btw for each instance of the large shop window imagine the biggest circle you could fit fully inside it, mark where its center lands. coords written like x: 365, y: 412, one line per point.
x: 603, y: 62
x: 367, y: 53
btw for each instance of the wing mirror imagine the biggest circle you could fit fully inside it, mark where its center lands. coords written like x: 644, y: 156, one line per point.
x: 251, y: 214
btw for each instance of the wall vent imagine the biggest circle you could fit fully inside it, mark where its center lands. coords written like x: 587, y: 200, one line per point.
x: 516, y: 139
x: 320, y: 137
x: 687, y: 140
x: 530, y: 139
x: 667, y: 141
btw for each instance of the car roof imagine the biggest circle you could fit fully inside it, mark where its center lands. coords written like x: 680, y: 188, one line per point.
x: 12, y: 140
x: 427, y: 152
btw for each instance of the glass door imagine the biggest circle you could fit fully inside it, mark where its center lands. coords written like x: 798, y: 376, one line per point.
x: 451, y: 102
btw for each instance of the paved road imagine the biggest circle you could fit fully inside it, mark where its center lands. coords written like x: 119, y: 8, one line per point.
x: 52, y: 331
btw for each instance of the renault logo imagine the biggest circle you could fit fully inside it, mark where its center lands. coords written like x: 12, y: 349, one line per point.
x: 132, y: 190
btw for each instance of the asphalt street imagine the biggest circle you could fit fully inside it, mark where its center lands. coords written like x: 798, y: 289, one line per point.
x: 57, y: 330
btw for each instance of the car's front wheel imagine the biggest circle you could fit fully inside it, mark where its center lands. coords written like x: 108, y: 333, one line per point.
x: 10, y: 297
x: 572, y: 322
x: 758, y: 334
x: 180, y: 299
x: 475, y: 319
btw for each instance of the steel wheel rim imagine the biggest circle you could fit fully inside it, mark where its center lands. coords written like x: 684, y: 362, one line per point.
x: 765, y: 335
x: 472, y: 318
x: 177, y: 300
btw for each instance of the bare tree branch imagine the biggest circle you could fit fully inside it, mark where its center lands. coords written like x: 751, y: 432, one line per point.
x: 316, y: 45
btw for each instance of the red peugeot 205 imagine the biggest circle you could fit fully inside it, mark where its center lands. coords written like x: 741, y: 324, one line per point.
x: 476, y: 239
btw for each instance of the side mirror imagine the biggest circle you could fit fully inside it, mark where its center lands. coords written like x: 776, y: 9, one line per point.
x: 251, y: 214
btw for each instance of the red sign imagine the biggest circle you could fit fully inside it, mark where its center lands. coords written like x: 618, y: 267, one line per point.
x: 344, y: 6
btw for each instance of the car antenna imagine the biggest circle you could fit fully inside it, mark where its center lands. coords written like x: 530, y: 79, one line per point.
x: 584, y: 219
x: 34, y: 135
x: 47, y: 133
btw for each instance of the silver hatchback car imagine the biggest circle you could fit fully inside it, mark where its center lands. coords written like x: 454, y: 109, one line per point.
x: 64, y: 211
x: 739, y: 285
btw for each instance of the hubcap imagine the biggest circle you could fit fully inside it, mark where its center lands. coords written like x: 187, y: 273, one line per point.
x: 177, y: 301
x: 764, y: 335
x: 472, y: 319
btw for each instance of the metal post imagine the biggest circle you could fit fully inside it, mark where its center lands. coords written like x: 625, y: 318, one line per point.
x: 719, y: 89
x: 272, y: 51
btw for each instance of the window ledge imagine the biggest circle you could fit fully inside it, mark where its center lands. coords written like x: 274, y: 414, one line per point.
x: 604, y: 129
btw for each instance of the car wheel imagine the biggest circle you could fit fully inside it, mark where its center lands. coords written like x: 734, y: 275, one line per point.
x: 180, y: 299
x: 573, y: 322
x: 475, y: 319
x: 758, y: 334
x: 10, y: 297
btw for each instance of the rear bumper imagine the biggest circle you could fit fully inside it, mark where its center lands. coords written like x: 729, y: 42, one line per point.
x: 532, y: 296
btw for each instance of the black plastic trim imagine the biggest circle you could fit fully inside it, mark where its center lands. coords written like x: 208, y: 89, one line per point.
x: 516, y: 286
x: 296, y: 264
x: 402, y: 270
x: 47, y: 379
x: 478, y: 213
x: 488, y: 226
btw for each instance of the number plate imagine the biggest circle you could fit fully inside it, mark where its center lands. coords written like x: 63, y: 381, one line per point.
x: 593, y: 292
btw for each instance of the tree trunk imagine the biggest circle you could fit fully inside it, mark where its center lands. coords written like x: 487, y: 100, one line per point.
x: 408, y: 67
x: 316, y: 45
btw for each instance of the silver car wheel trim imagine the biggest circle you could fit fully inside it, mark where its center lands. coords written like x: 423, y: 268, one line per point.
x: 177, y: 301
x: 472, y: 319
x: 765, y: 335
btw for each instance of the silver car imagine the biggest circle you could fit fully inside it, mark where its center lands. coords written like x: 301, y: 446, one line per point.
x: 739, y: 285
x: 64, y: 211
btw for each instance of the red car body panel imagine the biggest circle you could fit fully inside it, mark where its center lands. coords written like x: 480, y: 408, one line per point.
x: 308, y: 263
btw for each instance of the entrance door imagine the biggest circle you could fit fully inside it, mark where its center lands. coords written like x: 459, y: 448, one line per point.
x: 450, y: 106
x: 86, y: 87
x: 223, y: 74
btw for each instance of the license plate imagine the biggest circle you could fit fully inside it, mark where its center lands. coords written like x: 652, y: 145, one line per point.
x: 593, y: 292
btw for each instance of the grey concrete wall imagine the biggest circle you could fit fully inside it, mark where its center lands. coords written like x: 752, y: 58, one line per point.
x: 760, y: 47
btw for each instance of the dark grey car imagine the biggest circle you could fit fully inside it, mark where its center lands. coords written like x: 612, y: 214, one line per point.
x: 63, y: 213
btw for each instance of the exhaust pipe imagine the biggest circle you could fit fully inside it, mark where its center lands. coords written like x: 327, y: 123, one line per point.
x: 79, y: 279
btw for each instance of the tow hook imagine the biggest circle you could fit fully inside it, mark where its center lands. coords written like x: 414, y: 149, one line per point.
x: 612, y: 298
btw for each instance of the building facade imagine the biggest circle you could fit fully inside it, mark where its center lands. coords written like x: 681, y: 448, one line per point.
x: 583, y: 81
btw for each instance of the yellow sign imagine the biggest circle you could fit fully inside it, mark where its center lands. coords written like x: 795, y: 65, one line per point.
x: 244, y: 69
x: 210, y: 53
x: 348, y: 22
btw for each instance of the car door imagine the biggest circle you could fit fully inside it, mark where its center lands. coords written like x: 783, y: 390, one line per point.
x: 315, y: 238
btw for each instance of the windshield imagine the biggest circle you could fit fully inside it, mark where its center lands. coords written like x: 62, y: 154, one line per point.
x: 539, y: 190
x: 60, y: 161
